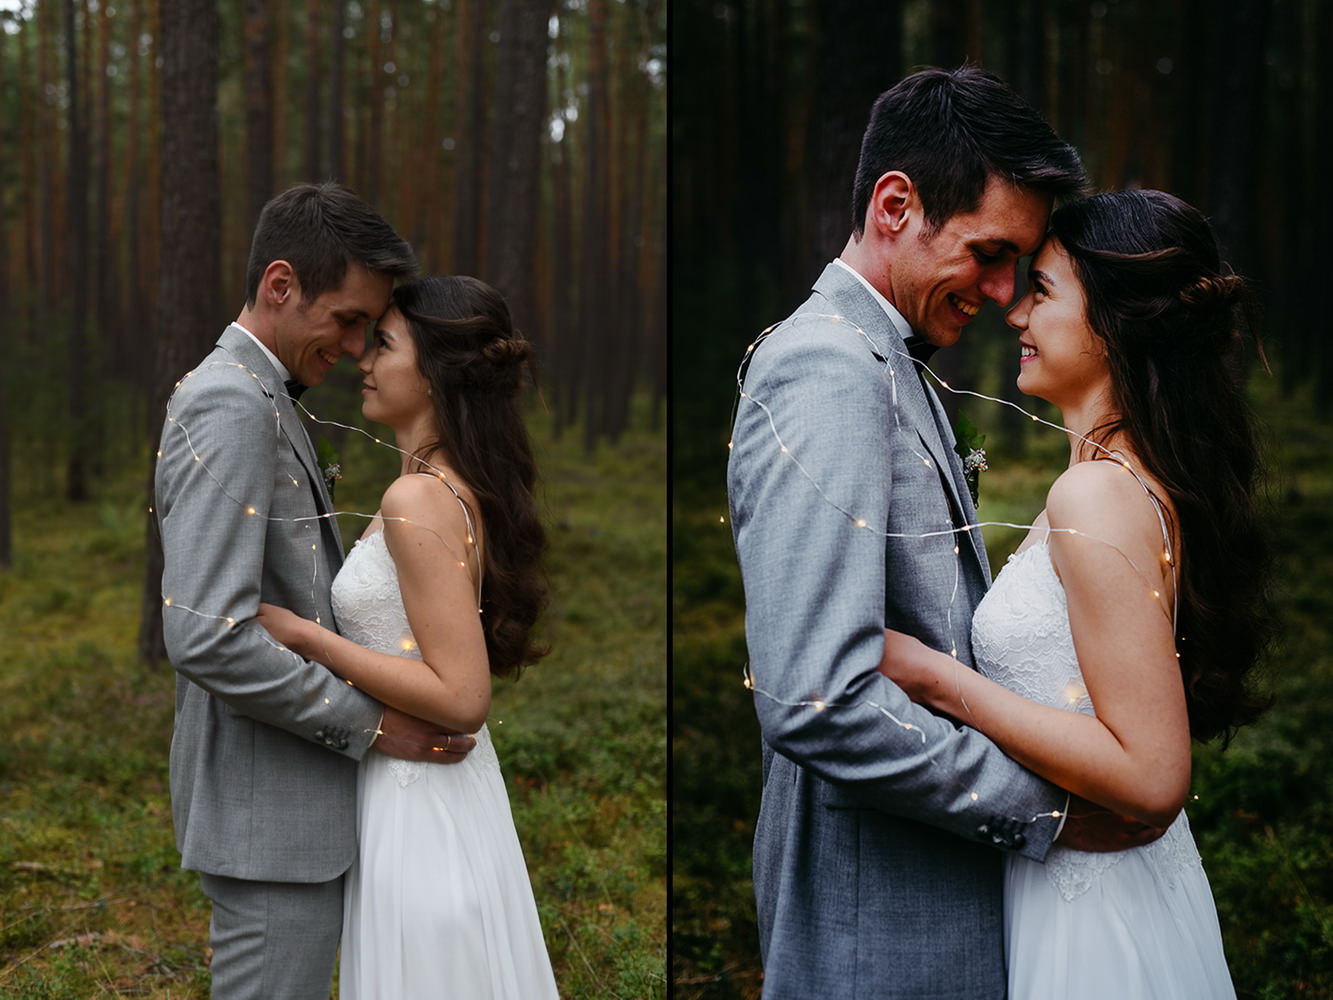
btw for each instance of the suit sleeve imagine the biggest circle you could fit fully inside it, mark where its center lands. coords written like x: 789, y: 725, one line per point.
x: 213, y: 515
x: 814, y: 590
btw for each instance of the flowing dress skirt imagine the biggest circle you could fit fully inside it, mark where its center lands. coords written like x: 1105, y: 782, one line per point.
x: 439, y: 903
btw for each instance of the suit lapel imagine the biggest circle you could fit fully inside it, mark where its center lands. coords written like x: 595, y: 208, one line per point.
x: 235, y: 342
x: 919, y: 406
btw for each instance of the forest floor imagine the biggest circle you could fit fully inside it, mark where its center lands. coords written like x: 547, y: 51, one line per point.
x: 93, y: 902
x: 1261, y: 810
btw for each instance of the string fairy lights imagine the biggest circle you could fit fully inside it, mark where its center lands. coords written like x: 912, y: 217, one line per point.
x: 231, y: 621
x: 1074, y: 693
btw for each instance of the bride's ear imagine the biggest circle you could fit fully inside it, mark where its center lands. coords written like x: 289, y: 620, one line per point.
x: 894, y: 205
x: 278, y: 284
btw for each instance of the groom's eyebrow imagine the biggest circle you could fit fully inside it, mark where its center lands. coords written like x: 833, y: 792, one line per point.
x: 996, y: 245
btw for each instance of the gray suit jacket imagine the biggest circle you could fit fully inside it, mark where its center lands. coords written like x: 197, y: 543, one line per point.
x: 876, y: 873
x: 263, y: 757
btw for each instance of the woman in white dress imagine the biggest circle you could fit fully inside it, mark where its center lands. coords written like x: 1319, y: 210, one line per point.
x: 440, y: 593
x: 1128, y: 619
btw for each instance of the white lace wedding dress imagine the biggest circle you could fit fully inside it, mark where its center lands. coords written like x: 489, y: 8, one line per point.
x: 1139, y: 923
x: 438, y: 903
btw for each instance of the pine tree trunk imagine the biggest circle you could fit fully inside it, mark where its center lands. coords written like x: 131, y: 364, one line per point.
x: 189, y: 309
x: 77, y: 464
x: 517, y: 125
x: 259, y: 139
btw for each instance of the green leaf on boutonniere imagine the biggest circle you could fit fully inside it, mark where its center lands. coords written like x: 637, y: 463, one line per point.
x: 968, y: 444
x: 327, y: 457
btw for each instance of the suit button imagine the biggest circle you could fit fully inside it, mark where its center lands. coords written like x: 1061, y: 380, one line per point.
x: 983, y: 832
x: 1019, y: 841
x: 319, y: 734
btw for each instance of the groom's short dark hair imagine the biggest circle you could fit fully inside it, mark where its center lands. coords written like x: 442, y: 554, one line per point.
x: 320, y: 229
x: 949, y: 130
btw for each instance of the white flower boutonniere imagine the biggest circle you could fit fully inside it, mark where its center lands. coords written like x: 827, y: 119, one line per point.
x: 968, y: 444
x: 328, y: 461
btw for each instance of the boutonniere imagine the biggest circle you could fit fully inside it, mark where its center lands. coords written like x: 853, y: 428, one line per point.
x: 967, y: 443
x: 327, y: 457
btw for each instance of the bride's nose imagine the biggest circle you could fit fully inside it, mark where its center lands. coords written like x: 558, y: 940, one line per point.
x: 367, y: 359
x: 1017, y: 317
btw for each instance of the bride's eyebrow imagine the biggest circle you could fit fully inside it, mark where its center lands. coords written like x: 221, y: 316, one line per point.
x: 1034, y: 276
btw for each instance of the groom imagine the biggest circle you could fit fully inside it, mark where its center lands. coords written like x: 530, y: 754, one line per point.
x: 264, y: 752
x: 875, y: 864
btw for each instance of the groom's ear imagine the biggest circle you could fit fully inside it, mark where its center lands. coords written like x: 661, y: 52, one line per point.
x: 893, y: 204
x: 279, y: 284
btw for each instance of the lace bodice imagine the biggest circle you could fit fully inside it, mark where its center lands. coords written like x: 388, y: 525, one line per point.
x: 369, y: 610
x: 1021, y: 638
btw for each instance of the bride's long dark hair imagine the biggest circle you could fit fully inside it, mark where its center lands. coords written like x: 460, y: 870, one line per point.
x: 1176, y: 325
x: 476, y: 363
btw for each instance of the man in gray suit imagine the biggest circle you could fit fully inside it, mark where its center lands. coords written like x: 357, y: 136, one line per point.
x: 876, y: 866
x: 263, y: 757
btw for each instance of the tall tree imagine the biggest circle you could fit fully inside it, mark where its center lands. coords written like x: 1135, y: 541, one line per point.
x: 859, y: 53
x: 470, y: 98
x: 189, y: 308
x: 520, y: 89
x: 259, y: 137
x: 77, y: 464
x: 593, y: 313
x: 338, y: 48
x: 6, y: 488
x: 314, y: 170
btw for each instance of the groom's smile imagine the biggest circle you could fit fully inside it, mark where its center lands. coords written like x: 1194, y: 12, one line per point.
x: 314, y: 335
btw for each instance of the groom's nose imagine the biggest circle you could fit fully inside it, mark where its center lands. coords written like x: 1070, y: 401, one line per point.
x: 354, y: 343
x: 999, y: 286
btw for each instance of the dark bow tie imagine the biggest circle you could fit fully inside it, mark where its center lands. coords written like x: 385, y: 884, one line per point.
x: 294, y: 388
x: 919, y: 348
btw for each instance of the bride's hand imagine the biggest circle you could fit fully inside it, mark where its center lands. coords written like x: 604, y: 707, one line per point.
x: 913, y: 666
x: 287, y: 627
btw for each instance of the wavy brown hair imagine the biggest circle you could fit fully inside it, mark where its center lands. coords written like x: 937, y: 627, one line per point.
x: 1176, y: 324
x: 476, y: 363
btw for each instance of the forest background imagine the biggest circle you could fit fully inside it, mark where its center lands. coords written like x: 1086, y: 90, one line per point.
x: 521, y: 141
x: 1224, y: 104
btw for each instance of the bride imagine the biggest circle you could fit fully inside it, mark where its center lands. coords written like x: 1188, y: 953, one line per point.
x: 439, y: 594
x: 1128, y: 619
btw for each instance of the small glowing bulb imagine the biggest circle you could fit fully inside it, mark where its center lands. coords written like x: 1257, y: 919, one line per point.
x: 408, y: 645
x: 159, y: 453
x: 975, y: 796
x: 250, y: 510
x: 955, y: 550
x: 944, y: 383
x: 1057, y: 814
x: 927, y: 462
x: 729, y: 445
x: 860, y: 522
x: 819, y: 706
x: 1033, y: 416
x: 231, y: 621
x: 954, y: 652
x: 1155, y: 594
x: 784, y: 449
x: 167, y: 602
x: 721, y: 520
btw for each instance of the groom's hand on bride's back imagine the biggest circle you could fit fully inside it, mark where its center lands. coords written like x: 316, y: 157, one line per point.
x: 1090, y: 827
x: 409, y: 738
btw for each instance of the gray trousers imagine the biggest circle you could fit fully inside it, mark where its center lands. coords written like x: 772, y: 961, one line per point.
x: 273, y: 940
